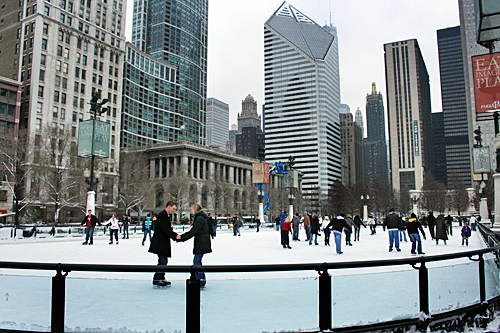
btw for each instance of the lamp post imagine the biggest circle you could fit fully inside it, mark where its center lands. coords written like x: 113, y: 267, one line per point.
x: 364, y: 200
x: 261, y: 205
x: 290, y: 208
x: 91, y: 177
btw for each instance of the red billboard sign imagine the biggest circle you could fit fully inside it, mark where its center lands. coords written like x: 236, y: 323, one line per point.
x: 486, y: 71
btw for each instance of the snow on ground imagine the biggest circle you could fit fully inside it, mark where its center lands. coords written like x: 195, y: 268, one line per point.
x: 232, y: 302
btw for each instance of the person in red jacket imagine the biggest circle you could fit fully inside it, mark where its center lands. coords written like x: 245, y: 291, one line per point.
x: 287, y: 228
x: 89, y: 221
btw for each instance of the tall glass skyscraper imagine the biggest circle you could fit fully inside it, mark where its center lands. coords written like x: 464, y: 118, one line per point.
x: 302, y: 96
x: 174, y: 32
x: 455, y: 115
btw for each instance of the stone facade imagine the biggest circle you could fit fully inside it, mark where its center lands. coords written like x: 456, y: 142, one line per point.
x: 190, y: 173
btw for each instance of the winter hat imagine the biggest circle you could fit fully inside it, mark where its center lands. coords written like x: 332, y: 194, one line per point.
x: 348, y: 215
x: 413, y: 216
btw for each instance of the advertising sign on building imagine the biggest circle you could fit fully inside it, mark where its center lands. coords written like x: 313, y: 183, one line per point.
x: 481, y: 157
x: 93, y: 138
x: 260, y: 173
x: 415, y: 133
x: 486, y: 72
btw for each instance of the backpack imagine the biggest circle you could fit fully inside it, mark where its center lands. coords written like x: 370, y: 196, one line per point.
x: 211, y: 223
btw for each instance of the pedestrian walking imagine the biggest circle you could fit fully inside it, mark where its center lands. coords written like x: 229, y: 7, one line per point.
x: 393, y: 224
x: 472, y: 222
x: 337, y: 225
x: 160, y: 243
x: 238, y: 225
x: 326, y: 229
x: 277, y: 221
x: 431, y: 222
x: 89, y: 221
x: 466, y: 233
x: 402, y: 233
x: 373, y: 225
x: 413, y: 227
x: 113, y: 229
x: 440, y: 229
x: 357, y: 226
x: 286, y: 228
x: 235, y: 228
x: 449, y: 224
x: 126, y: 223
x: 307, y: 225
x: 201, y: 235
x: 257, y: 222
x: 348, y: 231
x: 315, y: 228
x: 296, y: 225
x: 146, y: 228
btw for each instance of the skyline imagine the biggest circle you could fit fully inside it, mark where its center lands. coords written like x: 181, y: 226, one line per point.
x: 236, y: 44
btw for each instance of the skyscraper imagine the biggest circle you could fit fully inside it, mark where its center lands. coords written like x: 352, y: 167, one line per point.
x: 175, y: 33
x: 302, y: 96
x: 409, y: 114
x: 217, y: 123
x: 62, y: 52
x: 374, y: 146
x: 457, y: 121
x: 351, y: 141
x: 358, y: 118
x: 250, y: 137
x: 248, y: 115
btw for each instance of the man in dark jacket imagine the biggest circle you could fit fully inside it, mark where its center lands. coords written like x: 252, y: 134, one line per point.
x: 89, y: 221
x: 393, y: 223
x: 337, y: 225
x: 160, y: 243
x: 431, y: 224
x: 413, y: 227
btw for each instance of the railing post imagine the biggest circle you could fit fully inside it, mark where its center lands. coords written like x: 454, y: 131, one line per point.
x: 482, y: 279
x: 325, y: 300
x: 193, y: 303
x: 58, y: 301
x: 423, y: 287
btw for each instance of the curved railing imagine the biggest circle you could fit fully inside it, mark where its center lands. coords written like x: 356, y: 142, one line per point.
x: 328, y: 294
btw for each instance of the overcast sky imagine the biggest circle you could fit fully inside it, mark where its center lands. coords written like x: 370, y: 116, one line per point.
x: 236, y: 43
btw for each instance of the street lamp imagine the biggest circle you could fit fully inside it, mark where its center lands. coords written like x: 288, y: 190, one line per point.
x: 364, y: 200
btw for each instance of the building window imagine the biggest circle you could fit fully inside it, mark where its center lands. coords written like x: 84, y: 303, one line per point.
x: 40, y: 91
x: 44, y: 44
x: 55, y: 112
x: 39, y: 106
x: 43, y: 58
x: 46, y: 10
x: 42, y: 75
x: 38, y: 125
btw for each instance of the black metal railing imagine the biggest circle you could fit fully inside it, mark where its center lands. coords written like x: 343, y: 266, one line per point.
x: 193, y: 284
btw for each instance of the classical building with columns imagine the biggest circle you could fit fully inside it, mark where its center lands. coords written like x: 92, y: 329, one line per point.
x: 190, y: 173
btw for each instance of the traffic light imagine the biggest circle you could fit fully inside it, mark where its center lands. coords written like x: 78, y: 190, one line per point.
x: 262, y: 154
x: 291, y: 161
x: 477, y: 137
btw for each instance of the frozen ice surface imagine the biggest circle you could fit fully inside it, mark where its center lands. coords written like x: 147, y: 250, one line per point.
x: 232, y: 302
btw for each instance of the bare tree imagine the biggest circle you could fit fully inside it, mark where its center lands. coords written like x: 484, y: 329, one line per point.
x: 178, y: 190
x: 16, y: 170
x: 57, y: 170
x: 404, y: 201
x: 337, y: 197
x: 458, y: 198
x: 433, y: 196
x: 135, y: 186
x: 220, y: 191
x: 382, y: 197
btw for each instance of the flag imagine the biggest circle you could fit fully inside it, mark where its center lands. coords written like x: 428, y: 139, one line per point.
x: 183, y: 127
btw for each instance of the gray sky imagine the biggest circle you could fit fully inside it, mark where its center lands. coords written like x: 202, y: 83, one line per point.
x: 236, y: 43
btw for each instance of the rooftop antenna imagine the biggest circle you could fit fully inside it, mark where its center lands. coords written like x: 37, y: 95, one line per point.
x: 330, y: 4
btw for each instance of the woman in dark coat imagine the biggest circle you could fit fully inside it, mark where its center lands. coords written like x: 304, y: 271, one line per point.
x: 315, y: 227
x: 440, y: 224
x: 201, y: 235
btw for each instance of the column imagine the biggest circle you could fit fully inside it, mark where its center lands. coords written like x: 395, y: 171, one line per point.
x: 167, y: 173
x: 160, y: 169
x: 199, y: 169
x: 184, y: 165
x: 152, y: 167
x: 211, y: 171
x: 231, y: 175
x: 174, y: 169
x: 249, y: 176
